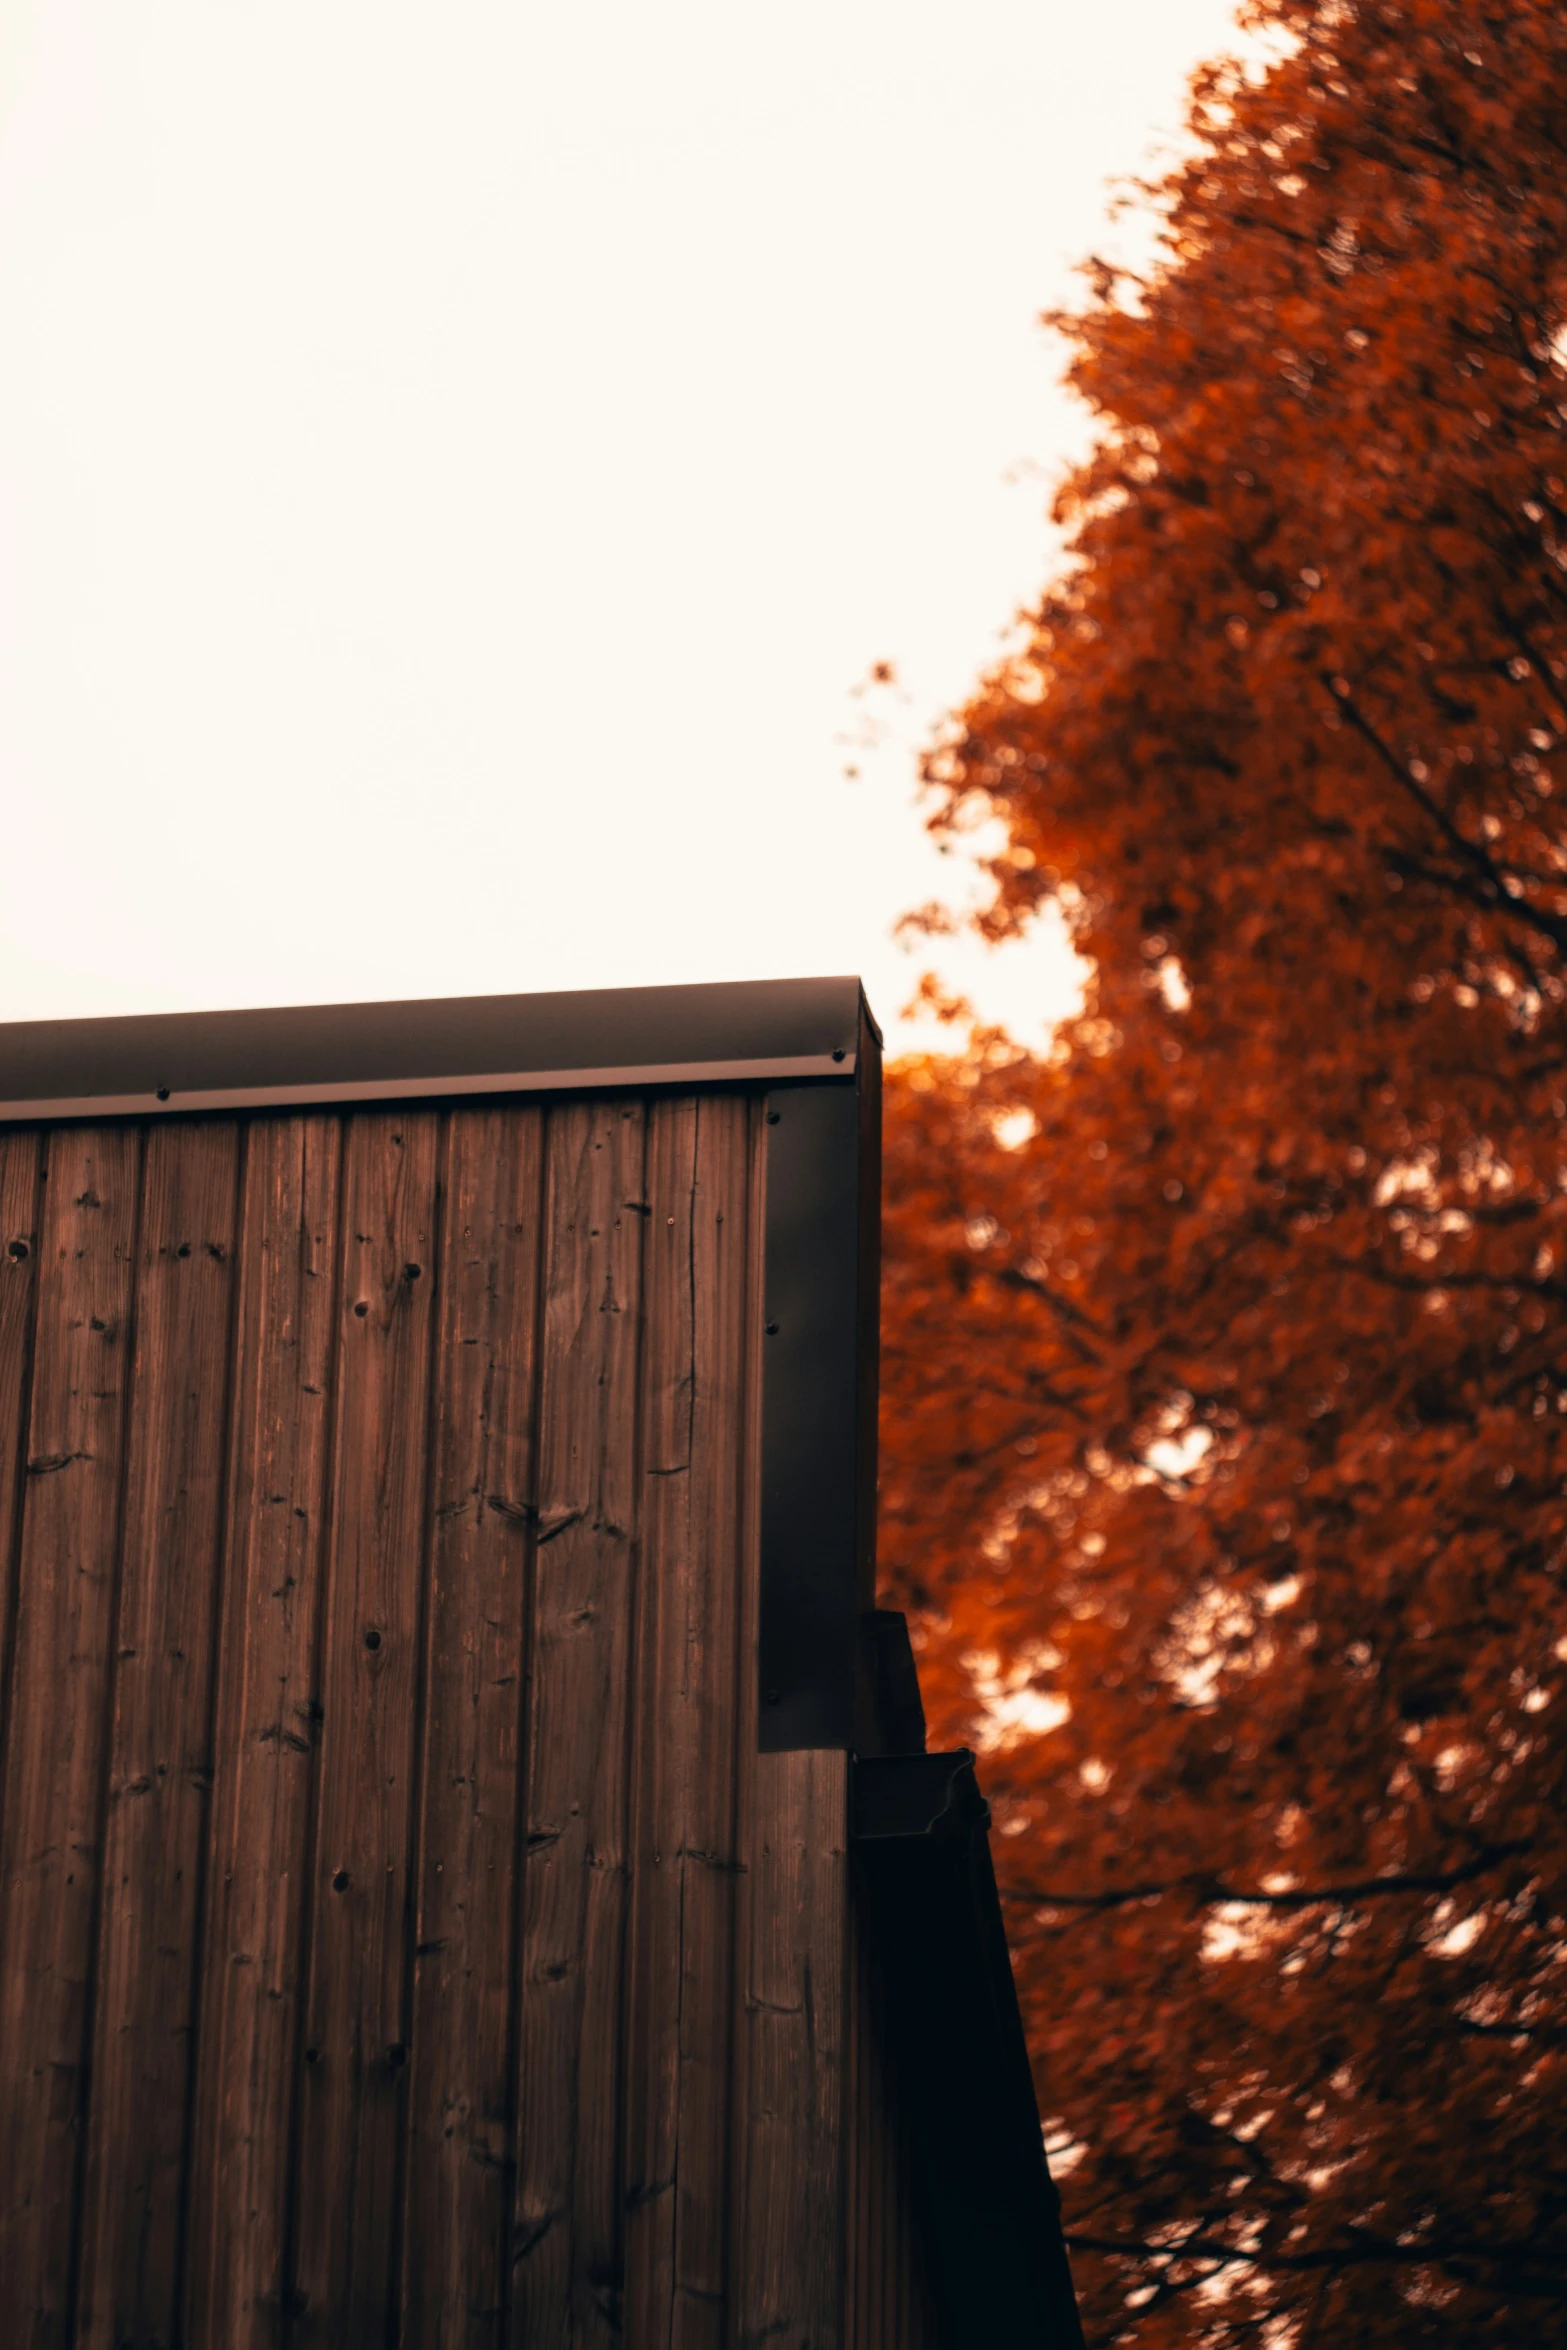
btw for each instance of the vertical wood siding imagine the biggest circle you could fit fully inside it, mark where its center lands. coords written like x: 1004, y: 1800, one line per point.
x: 61, y: 1685
x: 401, y: 1939
x: 265, y: 1734
x: 887, y: 2305
x: 457, y: 2202
x: 159, y: 1760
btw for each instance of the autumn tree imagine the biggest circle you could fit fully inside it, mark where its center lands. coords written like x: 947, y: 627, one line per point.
x: 1226, y: 1346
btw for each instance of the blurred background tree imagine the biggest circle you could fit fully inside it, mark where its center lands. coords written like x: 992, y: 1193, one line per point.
x: 1226, y: 1347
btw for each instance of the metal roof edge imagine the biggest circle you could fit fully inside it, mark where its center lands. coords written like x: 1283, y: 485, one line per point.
x: 148, y: 1064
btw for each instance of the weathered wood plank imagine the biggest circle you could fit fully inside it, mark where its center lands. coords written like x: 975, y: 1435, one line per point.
x: 791, y: 1988
x: 265, y: 1720
x: 50, y: 1842
x: 460, y: 2130
x: 678, y: 2062
x: 891, y: 2179
x: 860, y: 2193
x: 568, y: 2256
x: 791, y: 2224
x: 887, y: 2121
x: 160, y: 1759
x: 354, y: 2081
x: 900, y: 2231
x: 871, y: 2132
x: 21, y: 1159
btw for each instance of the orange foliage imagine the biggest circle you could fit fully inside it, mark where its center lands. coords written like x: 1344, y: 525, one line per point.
x: 1230, y: 1409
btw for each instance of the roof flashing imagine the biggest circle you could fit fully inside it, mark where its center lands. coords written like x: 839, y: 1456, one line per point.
x: 763, y: 1032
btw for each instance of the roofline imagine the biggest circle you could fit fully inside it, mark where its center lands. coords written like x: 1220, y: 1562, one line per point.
x: 763, y: 1031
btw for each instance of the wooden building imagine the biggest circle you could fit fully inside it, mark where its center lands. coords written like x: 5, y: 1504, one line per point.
x: 469, y: 1870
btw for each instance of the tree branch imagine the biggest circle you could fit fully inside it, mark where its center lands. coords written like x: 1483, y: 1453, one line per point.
x: 1213, y: 1893
x: 1487, y: 883
x: 1012, y: 1277
x: 1365, y: 2249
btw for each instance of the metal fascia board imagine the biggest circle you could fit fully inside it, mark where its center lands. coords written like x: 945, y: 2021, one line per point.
x: 748, y: 1032
x: 166, y: 1102
x: 819, y: 1375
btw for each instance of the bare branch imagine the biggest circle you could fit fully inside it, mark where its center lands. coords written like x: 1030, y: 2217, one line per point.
x: 1485, y: 880
x: 1365, y: 2248
x: 1213, y: 1893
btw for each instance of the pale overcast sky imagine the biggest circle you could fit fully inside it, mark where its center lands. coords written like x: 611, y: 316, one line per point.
x: 456, y: 462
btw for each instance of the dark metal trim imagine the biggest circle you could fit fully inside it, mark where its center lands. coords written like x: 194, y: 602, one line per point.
x: 896, y: 1712
x: 147, y: 1065
x: 818, y: 1514
x: 988, y: 2213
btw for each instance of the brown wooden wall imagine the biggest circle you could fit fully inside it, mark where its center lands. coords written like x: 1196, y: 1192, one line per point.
x: 401, y: 1937
x: 887, y: 2303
